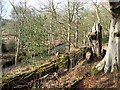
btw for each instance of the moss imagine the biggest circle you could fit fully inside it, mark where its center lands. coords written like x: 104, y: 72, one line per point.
x: 75, y: 82
x: 98, y: 85
x: 28, y: 75
x: 94, y: 71
x: 105, y: 38
x: 41, y: 70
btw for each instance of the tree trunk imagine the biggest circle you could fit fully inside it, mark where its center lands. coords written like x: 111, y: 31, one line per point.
x: 99, y: 33
x: 77, y: 24
x: 69, y: 27
x: 1, y: 54
x: 111, y: 61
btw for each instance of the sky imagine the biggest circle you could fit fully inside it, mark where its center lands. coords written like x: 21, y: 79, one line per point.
x: 30, y: 3
x: 8, y: 7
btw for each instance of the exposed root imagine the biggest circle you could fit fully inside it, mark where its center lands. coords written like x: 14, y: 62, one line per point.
x: 101, y: 65
x: 108, y: 65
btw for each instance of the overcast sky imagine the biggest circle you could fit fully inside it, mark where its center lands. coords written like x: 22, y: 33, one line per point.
x: 32, y: 3
x: 8, y: 7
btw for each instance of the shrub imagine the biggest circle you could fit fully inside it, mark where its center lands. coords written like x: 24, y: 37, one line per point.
x: 8, y: 46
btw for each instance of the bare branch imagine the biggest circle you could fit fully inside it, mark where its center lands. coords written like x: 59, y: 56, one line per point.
x: 13, y: 7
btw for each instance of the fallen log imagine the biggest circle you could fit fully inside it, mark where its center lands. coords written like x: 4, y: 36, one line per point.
x: 74, y: 84
x: 10, y: 83
x: 27, y: 79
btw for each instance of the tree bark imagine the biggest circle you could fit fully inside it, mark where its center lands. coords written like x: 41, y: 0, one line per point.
x: 69, y: 27
x: 99, y: 39
x: 99, y: 33
x: 77, y: 24
x: 111, y: 61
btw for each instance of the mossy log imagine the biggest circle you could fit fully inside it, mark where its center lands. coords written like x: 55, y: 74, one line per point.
x: 27, y: 79
x: 74, y: 84
x: 23, y: 79
x: 84, y: 53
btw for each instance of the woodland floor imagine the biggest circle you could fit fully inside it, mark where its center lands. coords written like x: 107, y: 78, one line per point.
x: 100, y: 80
x: 67, y: 78
x: 20, y: 68
x: 82, y: 69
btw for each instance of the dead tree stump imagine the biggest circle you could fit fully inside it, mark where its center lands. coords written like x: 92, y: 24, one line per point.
x: 95, y: 38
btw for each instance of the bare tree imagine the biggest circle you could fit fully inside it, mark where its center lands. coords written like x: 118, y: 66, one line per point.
x: 0, y: 28
x: 77, y: 23
x: 3, y: 10
x: 0, y: 47
x: 96, y: 7
x: 2, y: 14
x: 111, y: 61
x: 53, y: 16
x: 99, y: 33
x: 69, y: 26
x: 21, y: 21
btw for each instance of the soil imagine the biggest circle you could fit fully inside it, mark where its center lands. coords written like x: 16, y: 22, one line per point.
x: 101, y: 80
x: 81, y: 70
